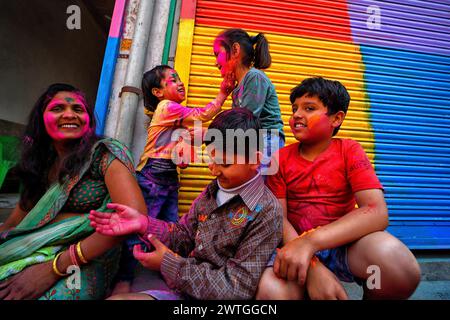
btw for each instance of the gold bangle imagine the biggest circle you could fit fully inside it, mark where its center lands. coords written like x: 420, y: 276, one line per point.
x: 55, y: 268
x: 80, y: 254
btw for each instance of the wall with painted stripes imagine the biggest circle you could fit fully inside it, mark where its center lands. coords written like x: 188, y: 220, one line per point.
x: 393, y: 57
x: 407, y: 63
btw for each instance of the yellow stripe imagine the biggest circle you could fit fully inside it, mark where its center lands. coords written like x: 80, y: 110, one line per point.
x: 293, y: 59
x: 184, y: 51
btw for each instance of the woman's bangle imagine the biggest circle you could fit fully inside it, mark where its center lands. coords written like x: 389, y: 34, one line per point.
x: 80, y: 253
x: 73, y: 256
x: 55, y: 268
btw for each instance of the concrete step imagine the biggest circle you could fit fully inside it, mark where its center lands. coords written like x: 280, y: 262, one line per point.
x: 435, y: 277
x: 434, y: 264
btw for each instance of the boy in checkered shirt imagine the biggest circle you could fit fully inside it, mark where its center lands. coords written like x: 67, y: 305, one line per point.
x: 221, y: 247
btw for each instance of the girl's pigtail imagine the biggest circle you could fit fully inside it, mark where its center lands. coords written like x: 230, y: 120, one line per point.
x: 262, y: 58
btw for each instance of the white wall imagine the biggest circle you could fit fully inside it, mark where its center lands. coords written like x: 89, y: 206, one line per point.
x: 38, y: 49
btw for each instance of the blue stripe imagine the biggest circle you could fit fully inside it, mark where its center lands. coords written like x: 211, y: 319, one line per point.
x: 409, y: 97
x: 106, y: 79
x: 422, y: 235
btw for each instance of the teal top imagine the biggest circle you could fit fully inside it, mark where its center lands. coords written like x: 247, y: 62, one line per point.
x: 257, y: 93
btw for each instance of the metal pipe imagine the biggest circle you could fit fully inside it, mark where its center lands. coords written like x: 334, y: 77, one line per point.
x: 175, y: 30
x: 172, y: 9
x: 129, y: 100
x: 154, y: 58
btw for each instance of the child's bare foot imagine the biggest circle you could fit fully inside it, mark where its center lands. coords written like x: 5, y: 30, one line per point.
x: 121, y: 287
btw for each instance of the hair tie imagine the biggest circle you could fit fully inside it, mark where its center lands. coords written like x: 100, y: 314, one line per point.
x: 255, y: 39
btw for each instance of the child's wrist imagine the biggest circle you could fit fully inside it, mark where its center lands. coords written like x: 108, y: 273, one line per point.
x: 220, y: 99
x: 143, y: 220
x: 311, y: 237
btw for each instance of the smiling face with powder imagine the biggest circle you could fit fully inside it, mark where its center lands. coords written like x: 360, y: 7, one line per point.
x: 66, y: 117
x: 310, y: 121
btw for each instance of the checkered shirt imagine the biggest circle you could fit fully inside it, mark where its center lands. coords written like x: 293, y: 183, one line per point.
x: 221, y: 252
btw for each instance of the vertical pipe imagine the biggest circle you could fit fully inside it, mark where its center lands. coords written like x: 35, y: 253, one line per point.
x: 154, y: 57
x: 175, y: 31
x: 108, y: 67
x: 173, y: 6
x: 129, y: 100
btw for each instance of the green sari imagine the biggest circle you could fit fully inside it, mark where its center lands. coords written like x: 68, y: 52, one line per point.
x: 35, y: 241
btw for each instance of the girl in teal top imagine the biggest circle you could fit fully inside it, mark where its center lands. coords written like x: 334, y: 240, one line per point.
x: 243, y: 56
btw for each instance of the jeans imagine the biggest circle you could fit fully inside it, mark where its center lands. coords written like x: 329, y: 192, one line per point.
x: 162, y: 203
x: 272, y: 142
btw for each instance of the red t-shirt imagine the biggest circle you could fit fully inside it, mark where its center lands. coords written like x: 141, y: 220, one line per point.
x: 321, y: 191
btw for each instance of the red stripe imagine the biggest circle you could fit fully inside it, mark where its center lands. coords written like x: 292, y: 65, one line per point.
x: 317, y: 19
x: 188, y: 9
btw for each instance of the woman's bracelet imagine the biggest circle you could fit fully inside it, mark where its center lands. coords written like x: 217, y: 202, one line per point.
x: 80, y: 253
x: 55, y: 268
x: 73, y: 256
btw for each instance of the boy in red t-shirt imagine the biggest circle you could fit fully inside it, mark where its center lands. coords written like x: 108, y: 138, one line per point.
x: 326, y: 236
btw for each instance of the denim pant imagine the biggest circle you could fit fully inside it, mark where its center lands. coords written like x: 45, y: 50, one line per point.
x: 161, y: 200
x: 272, y: 142
x: 162, y: 203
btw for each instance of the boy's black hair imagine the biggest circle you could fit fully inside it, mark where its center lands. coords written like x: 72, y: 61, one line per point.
x: 232, y: 120
x: 152, y: 79
x: 331, y: 93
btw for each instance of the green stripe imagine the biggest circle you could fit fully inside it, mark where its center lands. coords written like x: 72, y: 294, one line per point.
x: 168, y: 39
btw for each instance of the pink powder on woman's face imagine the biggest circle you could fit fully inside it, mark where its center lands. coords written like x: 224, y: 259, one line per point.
x: 66, y: 117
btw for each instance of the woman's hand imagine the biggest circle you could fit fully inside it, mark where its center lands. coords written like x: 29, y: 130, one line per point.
x: 322, y: 284
x: 123, y: 221
x: 31, y: 283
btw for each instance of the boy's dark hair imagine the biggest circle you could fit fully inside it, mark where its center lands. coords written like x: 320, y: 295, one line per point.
x: 231, y: 121
x: 331, y: 93
x: 152, y: 79
x: 259, y: 55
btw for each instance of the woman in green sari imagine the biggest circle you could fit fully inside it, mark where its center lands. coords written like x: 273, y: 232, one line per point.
x: 66, y: 171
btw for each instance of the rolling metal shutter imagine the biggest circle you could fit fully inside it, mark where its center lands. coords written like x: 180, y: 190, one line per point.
x: 407, y: 75
x: 399, y: 110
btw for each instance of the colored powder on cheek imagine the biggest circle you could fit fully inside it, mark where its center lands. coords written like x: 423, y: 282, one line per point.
x: 52, y: 127
x: 313, y: 121
x: 291, y: 122
x: 232, y: 63
x: 86, y: 127
x: 85, y: 117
